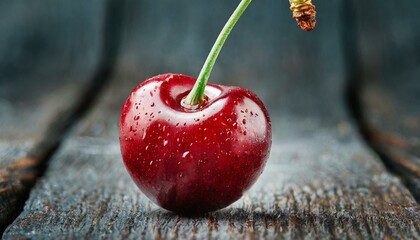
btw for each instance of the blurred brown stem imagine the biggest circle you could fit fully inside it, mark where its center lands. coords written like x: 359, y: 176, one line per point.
x: 304, y: 13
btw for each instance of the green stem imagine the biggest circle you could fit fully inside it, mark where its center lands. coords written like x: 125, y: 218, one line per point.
x: 196, y: 96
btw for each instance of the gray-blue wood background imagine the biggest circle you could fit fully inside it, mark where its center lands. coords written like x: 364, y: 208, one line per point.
x: 344, y: 102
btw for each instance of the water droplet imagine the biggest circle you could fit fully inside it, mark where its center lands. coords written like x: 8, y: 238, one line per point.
x: 151, y: 162
x: 146, y: 147
x: 152, y: 105
x: 165, y: 142
x: 181, y: 175
x: 185, y: 154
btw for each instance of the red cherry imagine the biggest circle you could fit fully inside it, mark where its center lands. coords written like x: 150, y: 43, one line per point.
x: 193, y: 161
x: 193, y: 148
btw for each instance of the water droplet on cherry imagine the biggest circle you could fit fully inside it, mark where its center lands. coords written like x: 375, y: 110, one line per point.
x: 185, y: 154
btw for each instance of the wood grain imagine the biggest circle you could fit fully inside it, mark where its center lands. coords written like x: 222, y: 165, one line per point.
x: 45, y: 76
x: 321, y: 180
x: 389, y: 96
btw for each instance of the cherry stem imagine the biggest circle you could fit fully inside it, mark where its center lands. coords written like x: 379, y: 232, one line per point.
x: 196, y: 96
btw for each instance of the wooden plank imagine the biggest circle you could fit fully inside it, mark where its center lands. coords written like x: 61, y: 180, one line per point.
x: 321, y: 180
x: 46, y: 81
x: 389, y: 96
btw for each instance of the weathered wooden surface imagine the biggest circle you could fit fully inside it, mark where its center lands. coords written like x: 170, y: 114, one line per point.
x: 46, y: 80
x: 321, y: 180
x: 390, y: 85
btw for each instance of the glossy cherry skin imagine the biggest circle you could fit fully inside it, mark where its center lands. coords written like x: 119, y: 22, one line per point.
x: 193, y: 161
